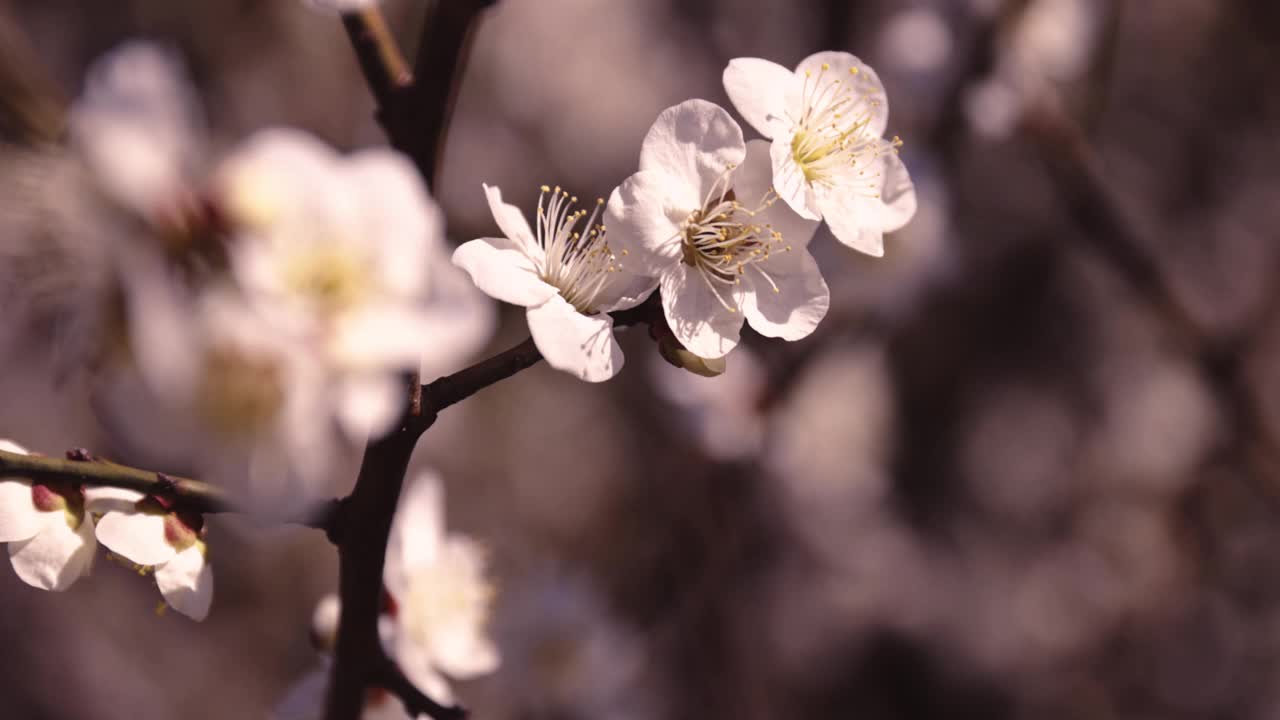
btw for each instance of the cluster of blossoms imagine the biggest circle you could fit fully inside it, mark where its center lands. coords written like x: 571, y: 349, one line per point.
x: 53, y: 529
x: 436, y: 609
x: 280, y: 295
x: 272, y: 303
x: 719, y: 224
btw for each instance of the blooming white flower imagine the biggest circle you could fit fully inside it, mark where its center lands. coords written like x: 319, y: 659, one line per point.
x: 142, y: 530
x: 830, y: 159
x: 49, y: 534
x: 338, y: 251
x: 569, y: 279
x: 702, y: 216
x: 441, y: 597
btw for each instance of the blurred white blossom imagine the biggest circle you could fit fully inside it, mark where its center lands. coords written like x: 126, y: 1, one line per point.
x: 830, y: 159
x: 138, y: 128
x: 724, y: 412
x: 338, y: 253
x: 142, y: 530
x: 50, y: 535
x: 440, y: 595
x: 701, y: 216
x: 569, y: 279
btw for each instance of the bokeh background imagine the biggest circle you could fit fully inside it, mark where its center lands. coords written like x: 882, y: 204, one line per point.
x: 1025, y: 469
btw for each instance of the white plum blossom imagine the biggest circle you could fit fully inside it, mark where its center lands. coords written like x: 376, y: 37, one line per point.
x: 701, y: 216
x: 338, y: 251
x: 142, y: 530
x: 830, y: 160
x: 440, y: 595
x: 50, y: 535
x: 569, y: 279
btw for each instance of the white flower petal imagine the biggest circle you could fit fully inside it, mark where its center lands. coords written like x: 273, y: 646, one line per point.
x: 789, y: 180
x: 581, y: 345
x: 753, y: 180
x: 13, y: 447
x: 897, y: 196
x: 107, y: 499
x: 397, y: 215
x: 369, y: 404
x: 19, y: 518
x: 697, y: 318
x: 644, y: 227
x: 186, y: 582
x: 860, y: 219
x: 759, y: 90
x: 462, y: 651
x: 57, y: 555
x: 693, y: 143
x: 625, y: 291
x: 417, y: 664
x: 417, y: 531
x: 139, y: 537
x: 136, y: 126
x: 512, y: 223
x: 503, y: 271
x: 795, y: 308
x: 865, y: 81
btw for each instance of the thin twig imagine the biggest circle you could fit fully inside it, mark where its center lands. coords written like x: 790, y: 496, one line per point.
x: 383, y: 65
x: 187, y: 495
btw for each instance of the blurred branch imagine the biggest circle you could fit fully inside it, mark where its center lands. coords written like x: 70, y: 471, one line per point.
x: 32, y: 109
x: 187, y: 495
x: 1123, y: 242
x: 1110, y: 227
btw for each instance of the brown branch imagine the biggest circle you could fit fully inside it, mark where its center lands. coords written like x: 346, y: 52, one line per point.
x: 186, y: 494
x: 383, y: 65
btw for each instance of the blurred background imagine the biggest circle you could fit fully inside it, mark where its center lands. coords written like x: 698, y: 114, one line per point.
x: 1026, y: 468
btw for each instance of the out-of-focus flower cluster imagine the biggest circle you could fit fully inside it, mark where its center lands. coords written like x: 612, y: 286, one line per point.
x: 263, y: 306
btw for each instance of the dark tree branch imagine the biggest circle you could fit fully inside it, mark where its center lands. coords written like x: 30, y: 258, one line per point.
x: 413, y: 109
x: 389, y: 677
x: 383, y: 65
x: 186, y: 494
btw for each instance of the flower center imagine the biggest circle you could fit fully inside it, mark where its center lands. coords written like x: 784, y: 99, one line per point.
x: 332, y: 279
x: 448, y: 594
x: 721, y: 240
x: 239, y: 393
x: 578, y: 265
x: 830, y: 141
